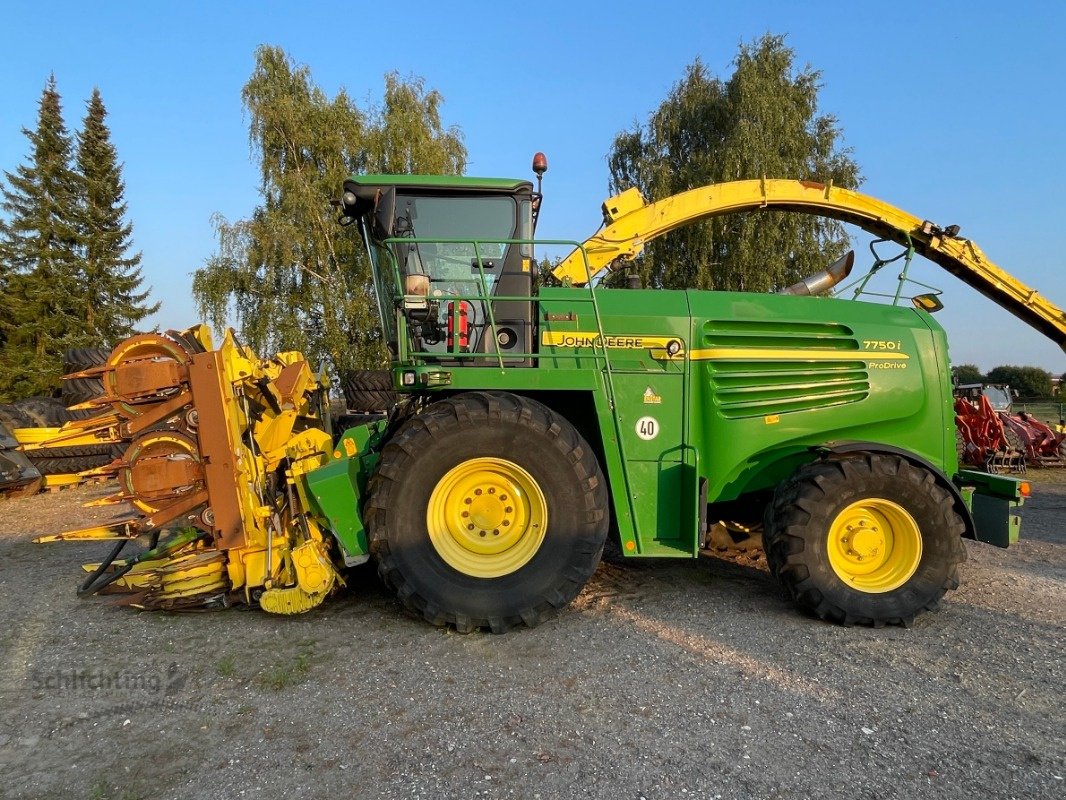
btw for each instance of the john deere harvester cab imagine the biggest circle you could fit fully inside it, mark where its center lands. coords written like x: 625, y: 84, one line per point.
x: 452, y: 261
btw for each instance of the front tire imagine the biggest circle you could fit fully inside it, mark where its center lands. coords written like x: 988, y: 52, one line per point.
x: 487, y: 510
x: 870, y: 539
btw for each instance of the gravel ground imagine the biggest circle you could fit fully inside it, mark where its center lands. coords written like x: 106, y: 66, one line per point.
x: 663, y: 680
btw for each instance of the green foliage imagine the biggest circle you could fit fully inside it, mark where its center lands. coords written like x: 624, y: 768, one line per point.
x: 226, y: 666
x: 289, y: 275
x: 39, y: 258
x: 64, y: 278
x: 760, y: 122
x: 968, y: 373
x: 110, y: 279
x: 1029, y: 382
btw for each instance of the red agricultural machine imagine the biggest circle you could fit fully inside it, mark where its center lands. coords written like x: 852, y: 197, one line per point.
x: 990, y: 436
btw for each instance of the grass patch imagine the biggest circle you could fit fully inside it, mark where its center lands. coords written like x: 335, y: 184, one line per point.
x: 288, y: 673
x: 226, y: 667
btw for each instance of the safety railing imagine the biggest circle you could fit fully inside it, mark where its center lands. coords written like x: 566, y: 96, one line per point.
x: 487, y: 298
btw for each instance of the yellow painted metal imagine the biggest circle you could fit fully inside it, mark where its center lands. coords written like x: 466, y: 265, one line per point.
x: 35, y: 438
x: 874, y: 545
x: 290, y: 600
x: 258, y: 403
x: 32, y: 439
x: 112, y: 500
x: 631, y: 223
x: 487, y: 517
x: 274, y: 432
x: 248, y: 566
x: 62, y: 479
x: 314, y: 572
x: 190, y: 574
x: 94, y: 534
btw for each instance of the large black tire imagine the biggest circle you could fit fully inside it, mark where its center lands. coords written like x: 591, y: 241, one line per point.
x: 11, y: 417
x: 68, y: 465
x: 960, y: 446
x: 80, y: 390
x: 102, y: 453
x: 810, y: 509
x: 77, y: 359
x: 466, y: 431
x: 46, y: 412
x: 368, y: 390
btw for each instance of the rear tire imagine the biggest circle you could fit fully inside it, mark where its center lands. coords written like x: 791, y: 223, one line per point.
x: 871, y: 540
x: 77, y: 359
x: 68, y: 465
x: 527, y: 479
x: 81, y: 390
x: 960, y: 447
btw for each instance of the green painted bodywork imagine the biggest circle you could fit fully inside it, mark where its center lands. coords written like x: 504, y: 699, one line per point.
x: 336, y: 489
x: 462, y: 182
x: 742, y: 424
x: 760, y: 385
x: 992, y: 499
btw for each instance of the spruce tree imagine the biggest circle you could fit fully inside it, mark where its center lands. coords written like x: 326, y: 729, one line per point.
x: 111, y: 303
x: 39, y: 251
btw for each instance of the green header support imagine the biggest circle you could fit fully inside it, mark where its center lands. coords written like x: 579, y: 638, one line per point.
x: 337, y: 490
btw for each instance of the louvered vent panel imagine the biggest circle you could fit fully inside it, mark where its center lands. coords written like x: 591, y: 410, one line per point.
x: 780, y: 367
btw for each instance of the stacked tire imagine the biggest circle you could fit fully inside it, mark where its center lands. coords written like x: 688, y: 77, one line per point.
x: 52, y: 412
x: 49, y: 412
x: 79, y: 390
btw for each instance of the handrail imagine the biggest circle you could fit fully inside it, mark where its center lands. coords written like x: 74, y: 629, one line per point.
x: 488, y: 300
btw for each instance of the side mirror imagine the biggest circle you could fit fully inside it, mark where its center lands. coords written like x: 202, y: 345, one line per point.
x: 384, y: 213
x: 927, y: 302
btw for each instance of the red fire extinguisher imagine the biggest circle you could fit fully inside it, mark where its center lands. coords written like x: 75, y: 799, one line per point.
x: 460, y: 317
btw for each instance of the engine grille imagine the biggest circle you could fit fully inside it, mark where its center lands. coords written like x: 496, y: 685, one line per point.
x: 762, y: 368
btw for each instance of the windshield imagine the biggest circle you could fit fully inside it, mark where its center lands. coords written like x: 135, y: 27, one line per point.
x: 472, y: 230
x: 452, y: 267
x: 998, y: 398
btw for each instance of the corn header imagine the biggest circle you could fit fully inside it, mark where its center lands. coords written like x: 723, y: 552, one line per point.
x: 218, y: 439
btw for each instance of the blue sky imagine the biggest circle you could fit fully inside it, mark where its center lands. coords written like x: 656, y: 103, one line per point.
x: 955, y: 110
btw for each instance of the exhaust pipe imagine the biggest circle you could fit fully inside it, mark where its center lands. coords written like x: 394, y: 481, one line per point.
x: 822, y: 282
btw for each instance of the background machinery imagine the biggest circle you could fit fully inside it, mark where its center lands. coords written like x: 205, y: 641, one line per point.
x: 994, y: 438
x: 533, y: 423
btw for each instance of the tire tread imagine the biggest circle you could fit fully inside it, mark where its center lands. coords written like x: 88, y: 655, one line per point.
x: 469, y: 411
x: 795, y: 505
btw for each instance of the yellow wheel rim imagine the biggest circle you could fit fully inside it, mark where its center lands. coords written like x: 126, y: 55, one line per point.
x: 874, y: 545
x: 487, y: 517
